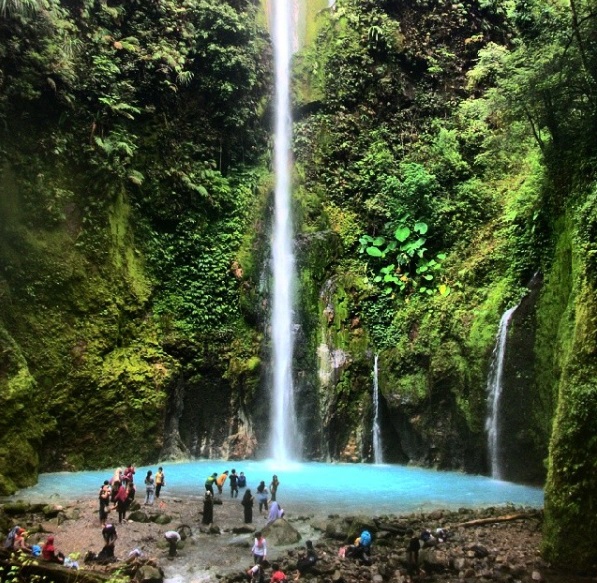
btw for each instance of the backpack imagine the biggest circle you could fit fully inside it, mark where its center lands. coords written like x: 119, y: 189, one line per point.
x: 10, y: 538
x: 366, y: 538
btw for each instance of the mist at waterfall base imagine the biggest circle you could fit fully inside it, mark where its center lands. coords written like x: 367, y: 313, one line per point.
x: 312, y: 487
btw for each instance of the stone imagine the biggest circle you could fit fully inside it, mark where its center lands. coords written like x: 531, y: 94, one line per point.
x: 138, y: 516
x: 160, y: 518
x: 149, y: 574
x: 281, y: 533
x: 536, y: 576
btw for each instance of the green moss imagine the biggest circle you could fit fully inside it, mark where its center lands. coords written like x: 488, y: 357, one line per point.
x: 571, y: 490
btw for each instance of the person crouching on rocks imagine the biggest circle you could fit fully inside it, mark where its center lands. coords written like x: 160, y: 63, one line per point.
x: 278, y: 576
x: 173, y: 539
x: 49, y: 553
x: 306, y: 562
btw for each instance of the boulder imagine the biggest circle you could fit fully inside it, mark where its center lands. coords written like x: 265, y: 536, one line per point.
x: 160, y: 518
x: 138, y: 516
x: 149, y: 574
x: 281, y: 533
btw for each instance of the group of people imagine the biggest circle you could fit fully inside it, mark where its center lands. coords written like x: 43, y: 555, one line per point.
x: 119, y: 492
x: 256, y: 573
x: 16, y: 540
x: 264, y: 496
x: 235, y: 480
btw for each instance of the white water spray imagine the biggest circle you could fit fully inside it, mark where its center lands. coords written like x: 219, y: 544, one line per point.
x: 284, y: 427
x: 494, y: 392
x: 377, y: 448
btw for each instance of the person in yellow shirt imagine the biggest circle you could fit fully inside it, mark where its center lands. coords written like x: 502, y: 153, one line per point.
x: 221, y: 480
x: 160, y: 481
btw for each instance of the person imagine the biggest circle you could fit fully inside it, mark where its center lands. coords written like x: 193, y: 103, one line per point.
x: 262, y: 496
x: 361, y: 549
x: 128, y: 475
x: 117, y: 477
x: 247, y: 503
x: 149, y: 488
x: 307, y: 561
x: 221, y: 481
x: 20, y: 544
x: 121, y: 503
x: 208, y: 508
x: 441, y: 535
x: 275, y: 512
x: 49, y: 553
x: 233, y: 484
x: 256, y: 574
x: 105, y: 494
x: 209, y: 483
x: 110, y: 536
x: 259, y: 548
x: 10, y: 537
x: 273, y: 487
x: 130, y: 495
x: 160, y: 481
x: 242, y: 480
x: 414, y: 546
x: 278, y: 575
x: 173, y: 539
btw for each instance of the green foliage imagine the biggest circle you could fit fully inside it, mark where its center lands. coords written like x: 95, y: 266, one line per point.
x: 411, y: 270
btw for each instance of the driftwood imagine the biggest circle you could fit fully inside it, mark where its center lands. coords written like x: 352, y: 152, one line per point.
x: 29, y: 566
x: 494, y: 519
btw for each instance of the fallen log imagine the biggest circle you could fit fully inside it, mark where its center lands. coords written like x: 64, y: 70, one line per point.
x: 495, y: 519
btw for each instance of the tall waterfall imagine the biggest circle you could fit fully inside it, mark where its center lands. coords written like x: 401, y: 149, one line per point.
x: 284, y: 426
x: 377, y: 448
x: 494, y: 391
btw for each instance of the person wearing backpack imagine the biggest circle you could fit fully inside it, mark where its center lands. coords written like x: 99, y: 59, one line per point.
x: 361, y: 549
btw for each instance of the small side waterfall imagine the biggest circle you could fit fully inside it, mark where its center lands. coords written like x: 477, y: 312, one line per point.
x: 494, y: 391
x: 377, y: 447
x: 284, y: 426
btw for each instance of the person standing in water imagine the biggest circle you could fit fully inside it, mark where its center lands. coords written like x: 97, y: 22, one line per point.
x: 233, y: 484
x: 273, y: 487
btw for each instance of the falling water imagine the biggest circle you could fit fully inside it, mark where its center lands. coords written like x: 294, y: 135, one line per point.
x: 494, y: 391
x: 377, y: 449
x: 284, y: 431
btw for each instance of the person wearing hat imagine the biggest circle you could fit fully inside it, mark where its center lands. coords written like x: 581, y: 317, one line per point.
x: 48, y: 552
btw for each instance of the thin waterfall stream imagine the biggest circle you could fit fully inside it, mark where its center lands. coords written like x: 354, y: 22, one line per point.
x: 377, y: 446
x: 284, y: 427
x: 494, y: 393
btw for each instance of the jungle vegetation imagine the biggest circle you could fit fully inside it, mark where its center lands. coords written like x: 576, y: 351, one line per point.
x: 445, y: 153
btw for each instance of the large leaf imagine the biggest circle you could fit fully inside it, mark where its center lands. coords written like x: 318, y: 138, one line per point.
x: 374, y: 252
x: 421, y: 228
x: 402, y: 234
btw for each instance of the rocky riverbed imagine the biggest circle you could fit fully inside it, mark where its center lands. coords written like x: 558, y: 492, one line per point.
x: 494, y: 544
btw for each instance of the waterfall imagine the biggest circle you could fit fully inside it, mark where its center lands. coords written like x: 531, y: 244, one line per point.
x: 494, y: 391
x: 377, y: 449
x: 284, y: 430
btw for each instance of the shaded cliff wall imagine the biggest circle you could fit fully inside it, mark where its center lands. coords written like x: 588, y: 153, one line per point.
x: 130, y: 176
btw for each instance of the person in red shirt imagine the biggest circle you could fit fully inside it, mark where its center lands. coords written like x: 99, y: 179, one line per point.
x: 277, y: 575
x: 48, y: 552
